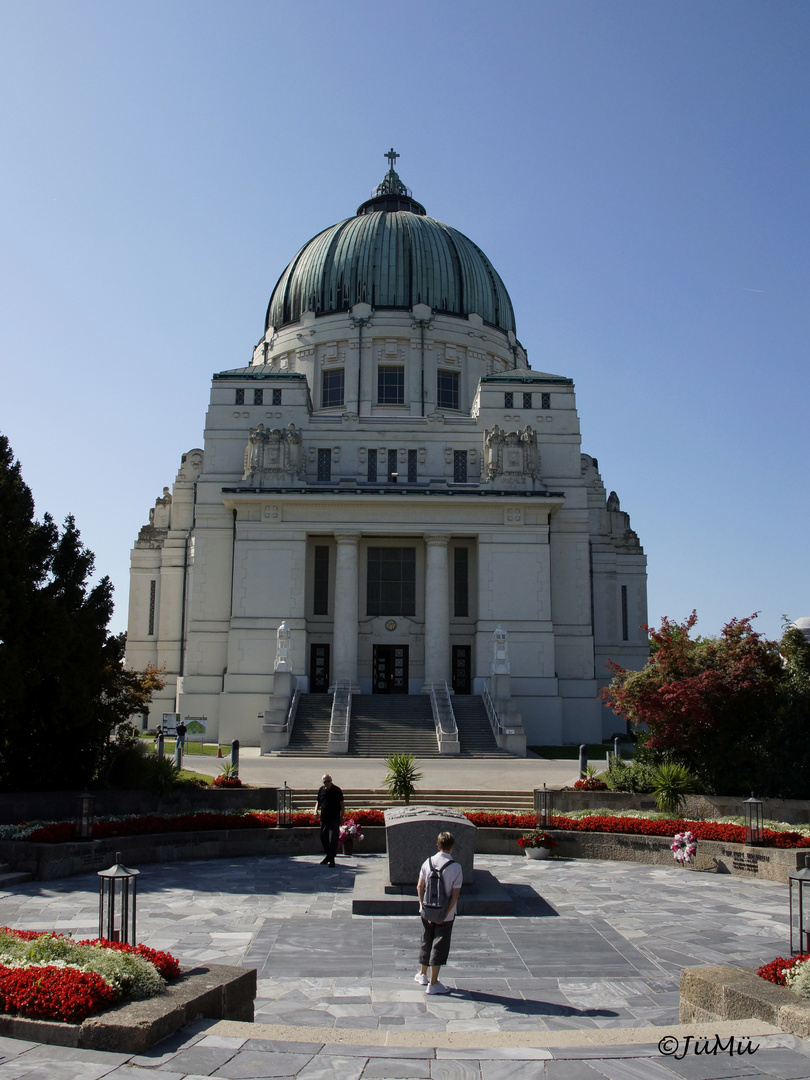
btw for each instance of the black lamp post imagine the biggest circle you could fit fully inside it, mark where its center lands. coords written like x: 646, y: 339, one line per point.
x: 284, y: 807
x: 753, y: 820
x: 116, y: 902
x: 84, y: 816
x: 544, y: 807
x: 799, y: 886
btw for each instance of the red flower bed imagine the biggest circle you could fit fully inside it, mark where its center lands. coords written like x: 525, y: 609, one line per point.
x: 703, y: 830
x: 774, y: 972
x: 226, y: 781
x: 148, y: 824
x: 54, y: 993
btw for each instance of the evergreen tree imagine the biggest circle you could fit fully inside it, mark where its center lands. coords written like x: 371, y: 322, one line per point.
x: 63, y: 688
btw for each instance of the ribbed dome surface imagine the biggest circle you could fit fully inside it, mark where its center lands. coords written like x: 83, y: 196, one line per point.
x: 391, y: 260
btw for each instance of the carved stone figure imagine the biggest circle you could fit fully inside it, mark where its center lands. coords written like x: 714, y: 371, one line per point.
x: 283, y: 644
x: 531, y: 458
x: 613, y: 502
x: 273, y: 452
x: 160, y: 513
x: 511, y: 452
x: 493, y: 452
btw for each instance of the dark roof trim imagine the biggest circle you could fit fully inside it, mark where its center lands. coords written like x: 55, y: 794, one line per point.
x: 260, y: 373
x: 559, y: 380
x: 392, y: 489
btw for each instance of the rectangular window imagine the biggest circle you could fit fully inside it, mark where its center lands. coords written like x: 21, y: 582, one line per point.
x: 391, y: 581
x: 258, y: 397
x: 240, y: 397
x: 412, y: 467
x: 390, y: 385
x: 392, y: 467
x: 459, y: 466
x: 152, y: 593
x: 625, y: 634
x: 447, y: 390
x: 527, y: 401
x: 546, y: 401
x: 320, y: 600
x: 331, y: 389
x: 324, y: 464
x: 276, y: 397
x: 508, y: 398
x: 372, y: 466
x: 461, y: 582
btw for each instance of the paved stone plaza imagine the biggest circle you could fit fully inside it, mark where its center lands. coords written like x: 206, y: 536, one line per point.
x: 577, y: 985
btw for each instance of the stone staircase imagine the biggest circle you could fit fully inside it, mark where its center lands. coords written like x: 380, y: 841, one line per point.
x: 384, y: 724
x: 310, y: 733
x: 516, y: 802
x: 474, y: 730
x: 12, y: 877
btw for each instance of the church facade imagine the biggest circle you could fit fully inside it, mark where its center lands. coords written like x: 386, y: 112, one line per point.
x: 390, y: 484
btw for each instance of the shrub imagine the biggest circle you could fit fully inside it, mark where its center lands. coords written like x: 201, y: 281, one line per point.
x: 671, y: 782
x: 634, y: 776
x: 162, y: 774
x: 402, y: 776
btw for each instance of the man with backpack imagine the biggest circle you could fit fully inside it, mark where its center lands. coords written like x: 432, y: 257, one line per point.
x: 438, y: 889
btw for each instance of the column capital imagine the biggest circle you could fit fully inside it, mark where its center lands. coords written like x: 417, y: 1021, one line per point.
x: 347, y: 538
x: 434, y: 538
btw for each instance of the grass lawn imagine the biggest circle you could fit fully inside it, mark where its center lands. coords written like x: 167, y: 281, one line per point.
x: 192, y: 746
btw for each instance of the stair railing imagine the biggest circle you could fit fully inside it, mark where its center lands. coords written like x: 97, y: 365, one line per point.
x: 444, y: 719
x: 341, y: 718
x: 291, y: 713
x: 492, y: 713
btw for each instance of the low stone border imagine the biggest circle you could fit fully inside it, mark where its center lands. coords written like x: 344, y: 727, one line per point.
x: 729, y: 993
x: 47, y: 861
x: 216, y: 991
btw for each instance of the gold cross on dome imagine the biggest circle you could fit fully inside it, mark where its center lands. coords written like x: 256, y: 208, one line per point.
x: 392, y: 156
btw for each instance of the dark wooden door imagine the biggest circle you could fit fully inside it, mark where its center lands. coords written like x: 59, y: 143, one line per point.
x: 462, y: 682
x: 318, y: 669
x: 390, y: 669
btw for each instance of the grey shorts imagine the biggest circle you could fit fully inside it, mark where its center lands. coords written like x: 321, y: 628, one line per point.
x: 435, y: 946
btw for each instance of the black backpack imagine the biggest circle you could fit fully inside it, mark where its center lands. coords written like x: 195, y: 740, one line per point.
x: 436, y: 898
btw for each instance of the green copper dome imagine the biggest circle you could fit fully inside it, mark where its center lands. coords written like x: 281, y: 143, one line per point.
x: 391, y: 255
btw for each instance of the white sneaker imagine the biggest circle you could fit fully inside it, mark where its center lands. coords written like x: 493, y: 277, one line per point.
x: 420, y: 978
x: 438, y: 988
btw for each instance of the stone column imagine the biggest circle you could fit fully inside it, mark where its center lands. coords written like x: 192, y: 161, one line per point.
x: 437, y: 611
x: 347, y: 599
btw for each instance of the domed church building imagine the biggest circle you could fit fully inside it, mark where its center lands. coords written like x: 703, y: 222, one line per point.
x: 391, y: 530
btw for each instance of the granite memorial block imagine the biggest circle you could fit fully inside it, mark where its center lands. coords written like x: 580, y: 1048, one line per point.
x: 410, y: 837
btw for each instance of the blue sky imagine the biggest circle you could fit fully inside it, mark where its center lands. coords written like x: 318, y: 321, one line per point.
x: 637, y: 172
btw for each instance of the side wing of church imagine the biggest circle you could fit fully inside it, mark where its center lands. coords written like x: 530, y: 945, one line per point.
x: 388, y: 500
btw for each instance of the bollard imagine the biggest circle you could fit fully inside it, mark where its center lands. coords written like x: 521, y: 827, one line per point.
x: 219, y: 750
x: 583, y: 761
x: 178, y: 755
x: 235, y: 757
x: 617, y: 748
x: 160, y: 746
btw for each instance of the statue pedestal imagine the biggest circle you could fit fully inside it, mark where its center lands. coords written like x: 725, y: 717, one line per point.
x: 273, y: 734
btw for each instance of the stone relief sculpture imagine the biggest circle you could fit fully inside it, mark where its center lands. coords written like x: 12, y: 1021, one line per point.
x: 283, y: 649
x: 160, y: 513
x: 511, y: 453
x: 273, y: 452
x: 613, y: 504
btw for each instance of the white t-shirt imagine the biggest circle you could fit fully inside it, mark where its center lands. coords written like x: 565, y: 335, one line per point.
x: 452, y: 877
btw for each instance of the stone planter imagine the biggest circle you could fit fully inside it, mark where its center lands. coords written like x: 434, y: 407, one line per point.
x: 537, y: 852
x: 348, y: 847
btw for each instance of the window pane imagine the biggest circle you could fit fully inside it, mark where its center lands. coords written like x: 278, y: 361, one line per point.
x: 240, y: 397
x: 527, y: 401
x: 332, y: 389
x: 324, y: 464
x: 507, y: 400
x: 412, y: 477
x: 447, y: 390
x: 372, y: 466
x: 276, y: 397
x: 546, y: 399
x: 391, y: 581
x: 460, y: 466
x: 321, y: 581
x: 461, y: 573
x: 258, y: 397
x: 391, y: 386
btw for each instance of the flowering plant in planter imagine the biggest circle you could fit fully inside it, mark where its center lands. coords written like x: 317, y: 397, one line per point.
x: 228, y: 778
x: 590, y: 783
x: 537, y: 838
x: 350, y: 830
x: 50, y: 977
x: 684, y: 847
x: 779, y: 970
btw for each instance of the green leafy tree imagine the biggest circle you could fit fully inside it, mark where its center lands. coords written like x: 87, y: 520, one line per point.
x: 734, y: 708
x: 63, y: 688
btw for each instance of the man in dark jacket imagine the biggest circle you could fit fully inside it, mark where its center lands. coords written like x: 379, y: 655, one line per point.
x: 330, y: 807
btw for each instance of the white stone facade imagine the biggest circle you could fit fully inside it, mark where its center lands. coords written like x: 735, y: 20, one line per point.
x: 392, y: 486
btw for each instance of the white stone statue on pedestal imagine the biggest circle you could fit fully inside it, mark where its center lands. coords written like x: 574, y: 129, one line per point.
x: 500, y: 656
x: 283, y: 649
